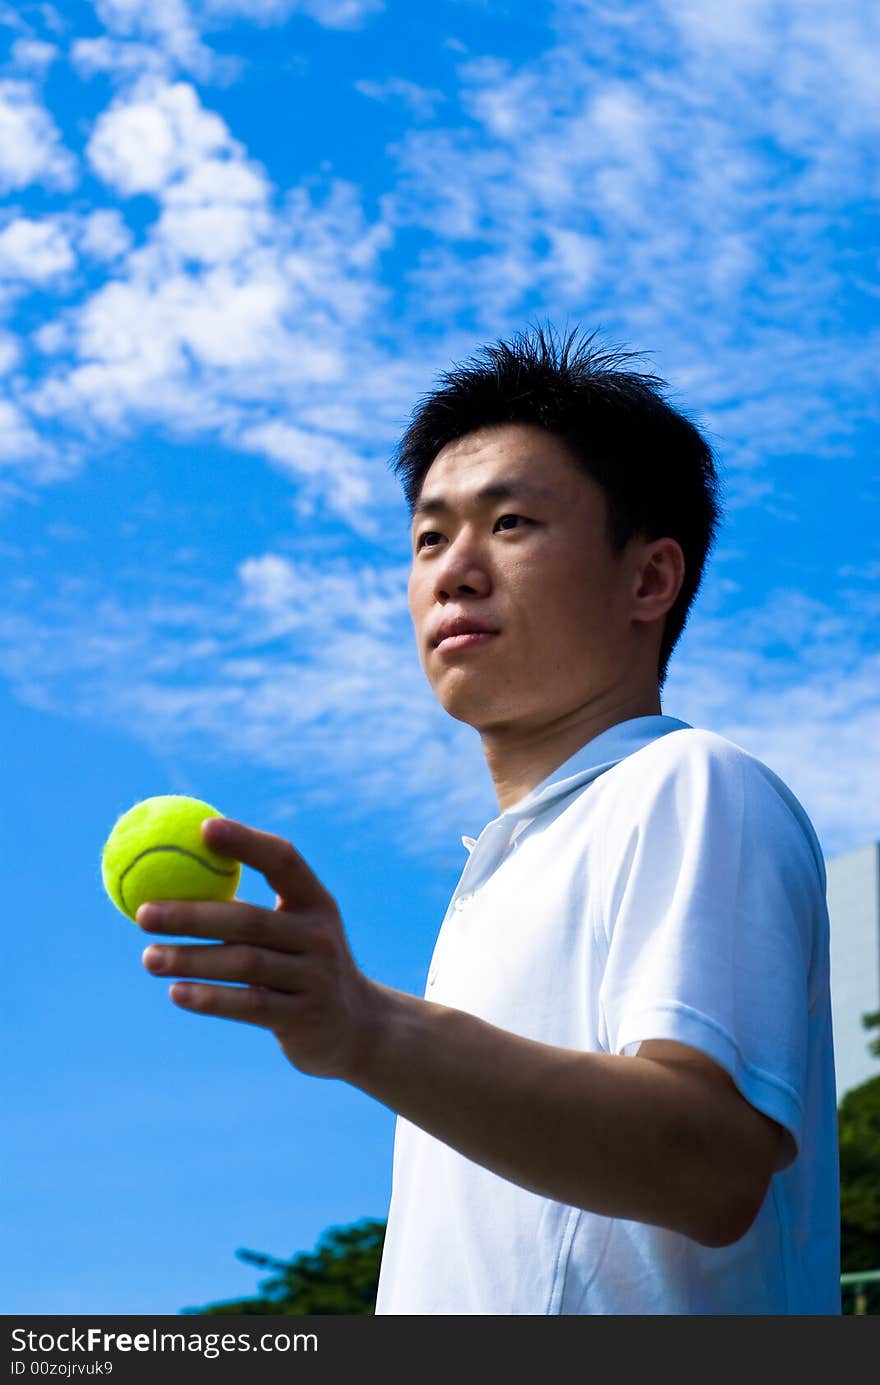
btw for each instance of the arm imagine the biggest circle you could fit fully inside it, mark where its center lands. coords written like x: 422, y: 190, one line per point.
x: 654, y: 1139
x: 658, y: 1140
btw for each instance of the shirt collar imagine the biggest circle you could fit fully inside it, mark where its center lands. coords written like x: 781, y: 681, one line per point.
x: 601, y: 753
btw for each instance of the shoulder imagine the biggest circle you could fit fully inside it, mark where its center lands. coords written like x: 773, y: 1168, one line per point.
x: 688, y: 767
x: 697, y: 778
x: 705, y: 761
x: 693, y: 745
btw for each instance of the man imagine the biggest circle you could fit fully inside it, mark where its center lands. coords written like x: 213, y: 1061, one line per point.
x: 617, y: 1094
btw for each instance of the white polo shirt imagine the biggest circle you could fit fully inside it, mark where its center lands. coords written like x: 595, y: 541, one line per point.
x: 663, y: 883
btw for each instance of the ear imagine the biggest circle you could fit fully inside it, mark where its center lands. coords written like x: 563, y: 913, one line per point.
x: 660, y: 572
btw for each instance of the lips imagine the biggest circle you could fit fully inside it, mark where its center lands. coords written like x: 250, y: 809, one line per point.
x: 460, y: 626
x: 454, y: 644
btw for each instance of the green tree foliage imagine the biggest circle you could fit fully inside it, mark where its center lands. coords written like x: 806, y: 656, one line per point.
x: 858, y: 1122
x: 872, y: 1021
x: 341, y: 1276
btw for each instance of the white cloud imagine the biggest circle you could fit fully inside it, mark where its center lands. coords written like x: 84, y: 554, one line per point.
x: 739, y: 29
x: 508, y: 104
x: 800, y: 58
x: 162, y: 322
x: 17, y: 437
x: 18, y: 17
x: 167, y: 36
x: 631, y: 181
x: 217, y: 212
x: 213, y: 181
x: 170, y: 24
x: 214, y: 234
x: 422, y: 101
x: 119, y: 58
x: 52, y: 18
x: 52, y: 338
x: 319, y: 464
x: 621, y: 120
x: 144, y: 141
x: 10, y: 352
x: 11, y: 19
x: 332, y: 14
x: 33, y: 54
x: 104, y: 235
x: 129, y: 16
x: 221, y: 319
x: 342, y: 14
x: 34, y: 251
x: 298, y: 596
x: 242, y: 317
x: 234, y: 317
x: 311, y: 669
x: 641, y: 199
x: 30, y: 144
x: 573, y: 261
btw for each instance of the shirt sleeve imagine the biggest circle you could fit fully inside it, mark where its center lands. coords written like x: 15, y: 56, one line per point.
x: 709, y: 905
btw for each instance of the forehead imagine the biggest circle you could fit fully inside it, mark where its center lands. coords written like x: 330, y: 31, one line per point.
x: 496, y: 462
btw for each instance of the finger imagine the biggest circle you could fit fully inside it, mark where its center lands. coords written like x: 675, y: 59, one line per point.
x: 232, y: 920
x: 277, y: 859
x: 255, y: 966
x: 247, y: 1004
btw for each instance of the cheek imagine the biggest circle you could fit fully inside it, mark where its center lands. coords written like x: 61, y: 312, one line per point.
x: 413, y: 596
x: 568, y: 608
x: 419, y: 608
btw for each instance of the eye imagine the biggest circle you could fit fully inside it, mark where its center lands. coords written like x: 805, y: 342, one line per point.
x: 432, y: 533
x: 427, y: 535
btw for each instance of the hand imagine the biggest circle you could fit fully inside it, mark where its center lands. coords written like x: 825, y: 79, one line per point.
x: 301, y: 981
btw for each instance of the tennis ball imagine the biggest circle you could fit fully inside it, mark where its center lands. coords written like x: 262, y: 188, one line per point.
x: 156, y: 851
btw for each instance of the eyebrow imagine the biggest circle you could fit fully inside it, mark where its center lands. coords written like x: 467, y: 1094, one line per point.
x: 497, y: 490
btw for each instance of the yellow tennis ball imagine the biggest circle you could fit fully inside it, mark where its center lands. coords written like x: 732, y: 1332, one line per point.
x: 156, y: 851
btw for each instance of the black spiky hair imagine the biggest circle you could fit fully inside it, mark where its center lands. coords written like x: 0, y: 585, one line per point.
x: 655, y: 467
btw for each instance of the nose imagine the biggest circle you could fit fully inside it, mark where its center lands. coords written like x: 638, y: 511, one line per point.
x: 459, y: 569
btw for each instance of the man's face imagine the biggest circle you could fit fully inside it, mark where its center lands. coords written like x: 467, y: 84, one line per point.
x: 537, y: 568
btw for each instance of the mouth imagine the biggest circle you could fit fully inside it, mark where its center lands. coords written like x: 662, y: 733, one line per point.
x: 471, y: 640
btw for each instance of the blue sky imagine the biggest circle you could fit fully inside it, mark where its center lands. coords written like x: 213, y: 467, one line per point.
x: 238, y: 240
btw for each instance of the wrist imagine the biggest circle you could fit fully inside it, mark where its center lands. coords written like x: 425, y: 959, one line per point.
x: 373, y: 1039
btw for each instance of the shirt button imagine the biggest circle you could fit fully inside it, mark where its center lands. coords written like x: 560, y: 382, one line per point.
x: 463, y: 900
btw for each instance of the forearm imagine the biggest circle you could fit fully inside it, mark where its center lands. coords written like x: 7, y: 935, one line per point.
x: 619, y: 1136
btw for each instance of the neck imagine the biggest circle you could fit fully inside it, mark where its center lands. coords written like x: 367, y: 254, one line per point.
x: 520, y: 757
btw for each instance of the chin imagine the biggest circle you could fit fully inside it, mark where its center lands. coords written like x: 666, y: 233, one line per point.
x: 461, y: 710
x: 475, y: 712
x: 464, y: 707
